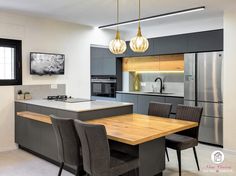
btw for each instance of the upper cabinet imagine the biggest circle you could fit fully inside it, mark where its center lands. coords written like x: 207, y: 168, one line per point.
x: 206, y: 41
x: 170, y: 44
x: 103, y: 62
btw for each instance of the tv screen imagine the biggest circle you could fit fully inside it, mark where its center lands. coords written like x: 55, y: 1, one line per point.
x: 47, y: 64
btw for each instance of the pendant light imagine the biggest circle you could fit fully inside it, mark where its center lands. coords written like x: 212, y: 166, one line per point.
x: 139, y: 44
x: 117, y: 46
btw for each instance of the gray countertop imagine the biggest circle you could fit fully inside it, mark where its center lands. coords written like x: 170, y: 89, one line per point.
x: 152, y: 94
x: 76, y: 107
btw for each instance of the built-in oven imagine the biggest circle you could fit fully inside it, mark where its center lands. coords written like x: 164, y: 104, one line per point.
x: 103, y: 86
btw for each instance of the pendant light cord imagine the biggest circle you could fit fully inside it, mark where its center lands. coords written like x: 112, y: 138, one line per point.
x: 118, y: 18
x: 139, y: 13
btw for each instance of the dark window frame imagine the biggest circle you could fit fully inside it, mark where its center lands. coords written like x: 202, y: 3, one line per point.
x: 17, y: 45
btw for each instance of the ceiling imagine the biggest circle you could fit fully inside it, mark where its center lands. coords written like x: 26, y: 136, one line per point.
x: 102, y: 12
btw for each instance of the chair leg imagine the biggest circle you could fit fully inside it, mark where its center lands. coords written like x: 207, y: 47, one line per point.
x: 179, y: 161
x: 167, y: 155
x: 196, y: 159
x: 61, y: 167
x: 77, y: 172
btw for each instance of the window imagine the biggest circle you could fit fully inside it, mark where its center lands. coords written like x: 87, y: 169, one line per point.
x: 10, y: 62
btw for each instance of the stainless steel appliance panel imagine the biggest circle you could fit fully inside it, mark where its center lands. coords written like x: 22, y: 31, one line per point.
x: 211, y: 109
x: 189, y: 103
x: 189, y: 76
x: 209, y: 76
x: 211, y: 130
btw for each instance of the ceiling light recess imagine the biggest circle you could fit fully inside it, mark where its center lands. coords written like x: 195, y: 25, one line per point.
x: 154, y: 17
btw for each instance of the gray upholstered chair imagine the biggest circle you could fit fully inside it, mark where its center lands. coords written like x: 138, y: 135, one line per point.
x: 97, y: 158
x: 160, y: 110
x: 188, y: 138
x: 68, y: 143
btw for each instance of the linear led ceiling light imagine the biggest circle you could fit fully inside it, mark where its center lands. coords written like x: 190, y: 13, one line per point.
x: 181, y: 12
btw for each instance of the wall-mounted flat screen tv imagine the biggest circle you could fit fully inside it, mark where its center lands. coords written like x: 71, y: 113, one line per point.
x: 47, y: 64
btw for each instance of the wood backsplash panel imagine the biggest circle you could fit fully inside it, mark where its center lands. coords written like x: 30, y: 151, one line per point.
x: 141, y: 64
x: 154, y: 63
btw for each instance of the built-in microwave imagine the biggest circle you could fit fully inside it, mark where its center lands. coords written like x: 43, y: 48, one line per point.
x: 103, y: 86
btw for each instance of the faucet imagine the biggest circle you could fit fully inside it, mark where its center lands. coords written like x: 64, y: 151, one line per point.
x: 161, y: 83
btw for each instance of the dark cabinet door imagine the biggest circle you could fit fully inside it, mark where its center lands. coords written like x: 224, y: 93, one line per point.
x: 170, y: 44
x: 129, y: 98
x: 130, y: 53
x: 48, y: 142
x: 33, y: 135
x: 20, y: 124
x: 205, y: 41
x: 174, y: 101
x: 103, y: 62
x: 109, y: 66
x: 144, y: 100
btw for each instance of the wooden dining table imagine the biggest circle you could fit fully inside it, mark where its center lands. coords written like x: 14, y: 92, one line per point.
x: 146, y: 135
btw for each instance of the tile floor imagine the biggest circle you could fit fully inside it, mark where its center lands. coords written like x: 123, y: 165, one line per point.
x: 21, y: 163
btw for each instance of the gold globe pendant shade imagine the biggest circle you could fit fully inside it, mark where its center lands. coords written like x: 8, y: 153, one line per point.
x: 139, y: 44
x: 117, y: 46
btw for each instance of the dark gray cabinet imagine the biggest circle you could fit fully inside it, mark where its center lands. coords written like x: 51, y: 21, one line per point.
x: 205, y: 41
x: 144, y: 100
x: 174, y: 101
x: 130, y: 53
x: 102, y: 62
x: 129, y: 98
x: 170, y: 44
x: 48, y: 142
x: 141, y: 102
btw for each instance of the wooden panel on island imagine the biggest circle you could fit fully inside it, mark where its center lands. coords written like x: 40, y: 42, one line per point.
x: 135, y: 129
x: 154, y: 63
x: 35, y: 116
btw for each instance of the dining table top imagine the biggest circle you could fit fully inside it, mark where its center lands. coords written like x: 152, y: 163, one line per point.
x: 135, y: 129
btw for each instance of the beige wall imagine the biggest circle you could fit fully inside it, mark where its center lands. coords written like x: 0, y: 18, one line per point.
x: 230, y: 80
x: 44, y: 35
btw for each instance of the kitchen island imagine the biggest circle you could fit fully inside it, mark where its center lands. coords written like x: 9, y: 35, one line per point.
x: 38, y: 136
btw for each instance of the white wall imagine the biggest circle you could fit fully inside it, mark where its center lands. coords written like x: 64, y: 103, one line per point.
x: 44, y: 35
x: 229, y: 80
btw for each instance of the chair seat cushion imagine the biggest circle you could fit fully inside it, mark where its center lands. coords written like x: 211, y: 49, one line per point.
x: 122, y: 163
x: 180, y: 142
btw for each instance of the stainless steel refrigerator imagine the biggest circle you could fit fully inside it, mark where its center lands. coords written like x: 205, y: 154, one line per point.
x: 203, y: 87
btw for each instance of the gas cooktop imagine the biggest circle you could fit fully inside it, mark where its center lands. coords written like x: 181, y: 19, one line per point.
x: 68, y: 99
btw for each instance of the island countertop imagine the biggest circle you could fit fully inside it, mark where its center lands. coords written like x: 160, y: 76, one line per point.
x: 76, y: 107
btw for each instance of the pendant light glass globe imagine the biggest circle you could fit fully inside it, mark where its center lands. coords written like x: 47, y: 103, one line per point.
x: 139, y: 44
x: 117, y: 46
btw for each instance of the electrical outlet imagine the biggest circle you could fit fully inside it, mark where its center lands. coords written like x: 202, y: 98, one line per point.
x: 53, y: 86
x: 143, y: 84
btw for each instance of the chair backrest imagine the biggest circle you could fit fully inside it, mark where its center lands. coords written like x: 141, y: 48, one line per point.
x: 159, y: 109
x: 68, y: 142
x: 189, y: 113
x: 95, y: 148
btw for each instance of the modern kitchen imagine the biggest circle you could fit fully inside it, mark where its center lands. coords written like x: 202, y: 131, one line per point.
x: 140, y: 93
